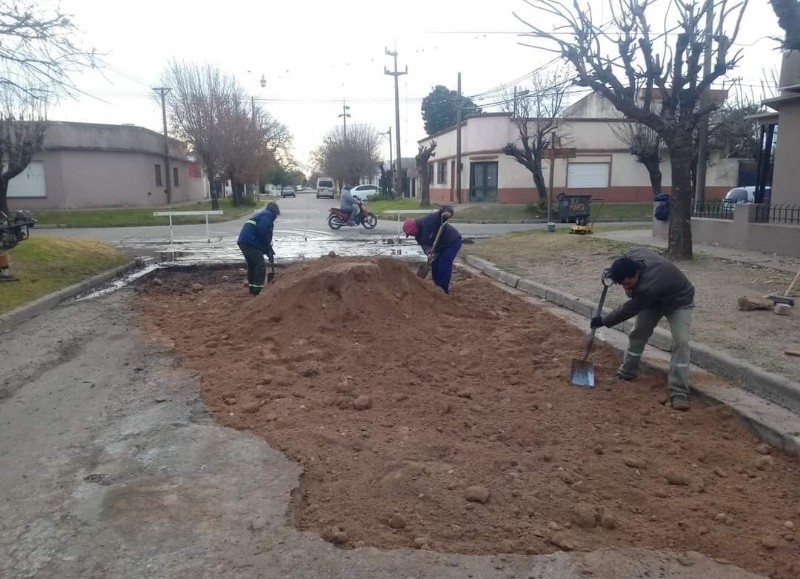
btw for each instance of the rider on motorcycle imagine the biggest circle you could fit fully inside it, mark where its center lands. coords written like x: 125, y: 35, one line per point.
x: 350, y: 204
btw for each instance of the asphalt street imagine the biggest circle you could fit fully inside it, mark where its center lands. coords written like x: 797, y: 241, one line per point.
x: 301, y: 231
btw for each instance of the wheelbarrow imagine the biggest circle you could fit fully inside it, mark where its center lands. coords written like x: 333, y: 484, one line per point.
x: 582, y: 371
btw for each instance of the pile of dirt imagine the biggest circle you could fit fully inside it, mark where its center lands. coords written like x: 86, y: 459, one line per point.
x: 448, y: 422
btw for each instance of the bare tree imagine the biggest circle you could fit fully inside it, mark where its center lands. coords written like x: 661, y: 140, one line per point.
x: 788, y: 13
x: 659, y: 88
x: 423, y: 157
x: 646, y: 146
x: 22, y: 129
x: 537, y: 112
x: 349, y: 158
x: 39, y: 51
x: 234, y: 138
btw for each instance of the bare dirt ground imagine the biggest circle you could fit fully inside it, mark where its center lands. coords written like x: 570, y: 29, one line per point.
x: 447, y: 423
x: 574, y: 264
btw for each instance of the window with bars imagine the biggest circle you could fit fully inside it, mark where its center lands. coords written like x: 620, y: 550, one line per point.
x: 441, y: 172
x: 175, y: 177
x: 159, y: 182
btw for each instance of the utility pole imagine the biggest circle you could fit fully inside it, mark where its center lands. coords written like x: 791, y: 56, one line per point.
x: 391, y: 161
x: 395, y: 74
x: 344, y: 116
x: 459, y: 107
x: 553, y: 138
x: 702, y: 131
x: 163, y: 92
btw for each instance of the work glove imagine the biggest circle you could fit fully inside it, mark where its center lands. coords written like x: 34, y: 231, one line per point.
x: 597, y: 322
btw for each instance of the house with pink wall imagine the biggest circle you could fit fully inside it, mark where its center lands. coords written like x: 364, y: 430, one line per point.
x: 83, y: 165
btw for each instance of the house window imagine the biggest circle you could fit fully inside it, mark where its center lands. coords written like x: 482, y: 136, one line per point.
x: 441, y: 173
x: 175, y: 177
x: 158, y: 175
x: 430, y: 173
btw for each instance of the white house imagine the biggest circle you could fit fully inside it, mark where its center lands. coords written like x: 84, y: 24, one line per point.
x: 602, y: 166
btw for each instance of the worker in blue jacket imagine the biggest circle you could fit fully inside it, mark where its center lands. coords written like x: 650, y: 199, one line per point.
x: 255, y: 241
x: 442, y: 256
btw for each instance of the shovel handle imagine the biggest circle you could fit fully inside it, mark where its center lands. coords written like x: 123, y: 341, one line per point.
x: 606, y: 281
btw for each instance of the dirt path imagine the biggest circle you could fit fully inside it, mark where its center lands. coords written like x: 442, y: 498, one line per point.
x: 448, y: 424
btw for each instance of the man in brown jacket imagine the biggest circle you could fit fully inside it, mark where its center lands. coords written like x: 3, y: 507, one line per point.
x: 656, y: 288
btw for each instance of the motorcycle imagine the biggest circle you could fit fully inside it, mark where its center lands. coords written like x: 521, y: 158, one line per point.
x: 339, y: 218
x: 15, y: 228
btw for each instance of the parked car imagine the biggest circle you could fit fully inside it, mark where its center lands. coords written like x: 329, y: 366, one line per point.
x: 288, y: 191
x: 743, y: 195
x: 325, y: 188
x: 364, y: 192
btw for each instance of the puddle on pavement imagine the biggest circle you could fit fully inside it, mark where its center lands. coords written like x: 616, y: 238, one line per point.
x: 288, y: 248
x: 291, y: 248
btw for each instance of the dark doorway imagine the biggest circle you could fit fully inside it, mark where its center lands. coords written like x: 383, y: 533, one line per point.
x: 483, y: 182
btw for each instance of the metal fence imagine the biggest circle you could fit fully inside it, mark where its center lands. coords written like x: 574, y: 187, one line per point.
x: 787, y: 214
x: 712, y: 210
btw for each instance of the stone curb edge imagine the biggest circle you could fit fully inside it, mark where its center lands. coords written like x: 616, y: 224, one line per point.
x: 49, y: 301
x: 773, y: 388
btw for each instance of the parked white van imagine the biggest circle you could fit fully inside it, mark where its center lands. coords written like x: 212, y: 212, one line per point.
x: 325, y: 187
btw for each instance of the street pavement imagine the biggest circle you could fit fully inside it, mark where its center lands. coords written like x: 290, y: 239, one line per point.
x: 300, y: 231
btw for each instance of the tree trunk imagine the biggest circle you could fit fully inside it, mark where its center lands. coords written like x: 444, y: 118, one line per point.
x: 4, y: 195
x: 237, y: 193
x: 680, y: 213
x: 653, y: 166
x: 423, y: 156
x: 538, y: 180
x: 213, y: 188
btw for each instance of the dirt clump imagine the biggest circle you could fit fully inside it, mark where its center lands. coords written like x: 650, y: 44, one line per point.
x: 468, y: 390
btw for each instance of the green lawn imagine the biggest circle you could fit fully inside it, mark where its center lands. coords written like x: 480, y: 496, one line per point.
x: 136, y: 216
x: 45, y: 264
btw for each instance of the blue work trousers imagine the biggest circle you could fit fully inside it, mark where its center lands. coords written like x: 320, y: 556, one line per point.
x: 442, y: 265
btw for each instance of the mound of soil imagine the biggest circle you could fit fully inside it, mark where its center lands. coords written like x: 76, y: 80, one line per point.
x: 448, y: 422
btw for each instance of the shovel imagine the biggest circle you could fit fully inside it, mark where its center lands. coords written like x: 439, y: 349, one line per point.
x: 271, y: 274
x: 423, y: 269
x: 582, y: 372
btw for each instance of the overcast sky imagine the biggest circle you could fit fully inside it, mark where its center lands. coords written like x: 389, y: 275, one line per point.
x: 316, y: 53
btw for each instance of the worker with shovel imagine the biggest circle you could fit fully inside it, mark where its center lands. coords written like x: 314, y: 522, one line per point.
x: 255, y: 241
x: 439, y: 240
x: 656, y: 288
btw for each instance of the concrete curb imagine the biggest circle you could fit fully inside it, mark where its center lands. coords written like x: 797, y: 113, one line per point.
x: 781, y: 429
x: 49, y: 301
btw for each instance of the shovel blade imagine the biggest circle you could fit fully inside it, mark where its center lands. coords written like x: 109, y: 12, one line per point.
x: 581, y: 373
x: 422, y: 271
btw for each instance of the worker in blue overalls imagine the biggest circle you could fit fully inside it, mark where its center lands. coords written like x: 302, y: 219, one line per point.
x: 255, y: 241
